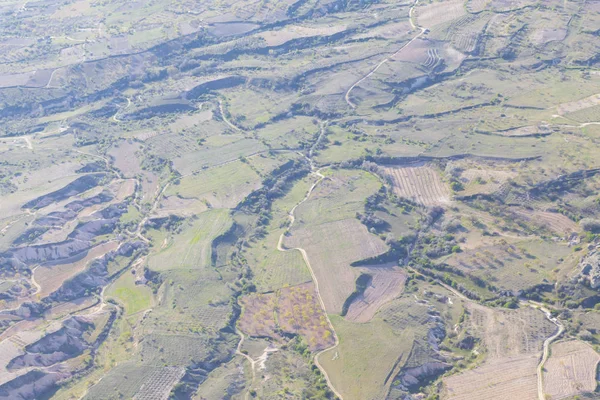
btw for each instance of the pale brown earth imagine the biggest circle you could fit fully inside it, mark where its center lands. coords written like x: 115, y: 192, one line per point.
x: 484, y: 180
x: 501, y: 379
x: 331, y: 248
x: 419, y: 183
x: 438, y: 13
x: 387, y: 284
x: 570, y: 370
x: 51, y: 278
x: 513, y: 340
x: 573, y: 106
x: 278, y: 37
x: 558, y: 223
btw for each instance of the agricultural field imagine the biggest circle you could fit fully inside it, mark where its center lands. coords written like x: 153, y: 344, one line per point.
x: 291, y: 310
x: 420, y: 184
x: 570, y: 370
x: 314, y: 199
x: 511, y: 355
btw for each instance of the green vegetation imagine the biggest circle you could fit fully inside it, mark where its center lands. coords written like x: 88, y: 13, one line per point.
x: 208, y: 195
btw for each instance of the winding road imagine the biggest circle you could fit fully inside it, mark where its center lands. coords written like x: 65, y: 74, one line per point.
x: 231, y: 125
x: 385, y: 60
x: 546, y: 347
x: 280, y: 247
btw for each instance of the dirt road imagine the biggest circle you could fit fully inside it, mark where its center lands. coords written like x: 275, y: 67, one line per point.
x: 385, y: 60
x: 546, y: 346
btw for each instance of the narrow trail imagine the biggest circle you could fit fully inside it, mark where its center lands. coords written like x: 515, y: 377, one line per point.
x: 28, y: 141
x: 50, y: 80
x: 231, y: 125
x: 547, y: 342
x: 280, y: 247
x: 546, y: 346
x: 385, y: 60
x: 114, y: 117
x: 260, y: 360
x: 38, y: 288
x: 314, y: 278
x: 320, y: 177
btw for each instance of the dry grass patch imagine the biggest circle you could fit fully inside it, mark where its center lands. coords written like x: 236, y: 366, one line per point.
x: 126, y: 159
x: 361, y: 366
x: 577, y: 105
x: 387, y: 284
x: 438, y: 13
x: 501, y: 379
x: 486, y: 181
x: 420, y: 183
x: 331, y: 248
x: 279, y: 37
x: 556, y: 222
x: 521, y: 131
x: 513, y: 340
x: 512, y: 266
x: 510, y: 333
x: 570, y: 370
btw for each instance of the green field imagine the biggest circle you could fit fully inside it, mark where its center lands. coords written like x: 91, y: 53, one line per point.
x: 135, y: 298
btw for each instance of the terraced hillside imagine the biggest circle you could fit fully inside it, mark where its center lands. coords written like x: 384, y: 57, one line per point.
x: 311, y: 199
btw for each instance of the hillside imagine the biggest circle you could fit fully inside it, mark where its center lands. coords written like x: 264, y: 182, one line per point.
x: 300, y: 199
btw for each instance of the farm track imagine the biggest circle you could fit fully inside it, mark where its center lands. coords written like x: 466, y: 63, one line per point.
x: 114, y: 117
x: 547, y: 342
x: 314, y: 278
x: 546, y: 347
x: 291, y: 214
x: 385, y: 60
x: 238, y: 351
x: 226, y: 120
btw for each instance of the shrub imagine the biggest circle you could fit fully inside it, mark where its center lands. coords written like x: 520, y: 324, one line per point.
x: 590, y: 225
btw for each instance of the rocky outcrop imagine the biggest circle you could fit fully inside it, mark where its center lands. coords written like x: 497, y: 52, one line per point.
x: 73, y: 249
x: 76, y: 187
x: 32, y: 385
x: 590, y: 269
x: 414, y: 378
x: 59, y: 218
x: 66, y: 343
x: 94, y: 277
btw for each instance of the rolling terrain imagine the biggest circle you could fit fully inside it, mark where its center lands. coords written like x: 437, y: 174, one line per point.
x: 310, y: 199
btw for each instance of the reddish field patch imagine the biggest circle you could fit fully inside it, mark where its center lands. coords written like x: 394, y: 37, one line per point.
x: 291, y: 310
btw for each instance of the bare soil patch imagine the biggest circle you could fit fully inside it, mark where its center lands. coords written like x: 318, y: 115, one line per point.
x: 570, y: 370
x: 553, y: 221
x: 331, y: 248
x: 513, y: 340
x: 126, y: 159
x: 500, y: 379
x: 484, y: 180
x: 387, y: 284
x: 439, y: 12
x: 51, y: 278
x: 573, y: 106
x: 276, y: 38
